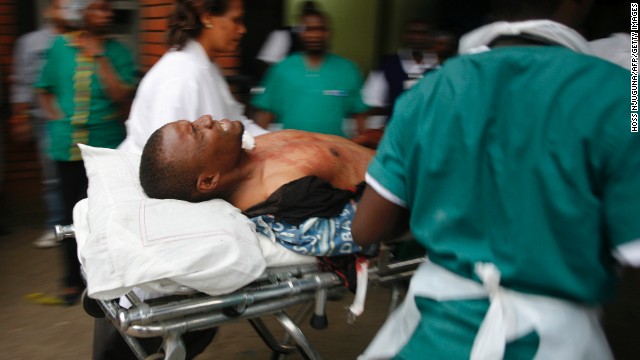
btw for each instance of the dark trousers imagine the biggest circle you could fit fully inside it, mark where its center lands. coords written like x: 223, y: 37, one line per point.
x: 108, y: 344
x: 73, y: 186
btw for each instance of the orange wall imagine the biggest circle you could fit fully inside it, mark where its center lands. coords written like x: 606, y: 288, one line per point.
x: 7, y: 39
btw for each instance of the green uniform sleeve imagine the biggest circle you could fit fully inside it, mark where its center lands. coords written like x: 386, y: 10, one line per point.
x: 356, y: 104
x: 388, y: 167
x: 269, y: 97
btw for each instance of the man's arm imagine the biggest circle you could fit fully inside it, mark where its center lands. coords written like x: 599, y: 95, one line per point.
x: 361, y: 122
x: 115, y: 70
x: 378, y: 219
x: 118, y: 90
x: 21, y: 92
x: 48, y: 105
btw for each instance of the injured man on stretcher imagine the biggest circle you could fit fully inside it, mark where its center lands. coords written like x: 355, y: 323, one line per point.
x: 216, y: 211
x: 207, y: 209
x: 299, y: 188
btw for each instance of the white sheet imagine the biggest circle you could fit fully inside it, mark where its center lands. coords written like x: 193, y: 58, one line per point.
x: 138, y: 247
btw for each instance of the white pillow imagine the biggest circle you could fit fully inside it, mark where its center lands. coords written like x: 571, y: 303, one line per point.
x: 131, y: 240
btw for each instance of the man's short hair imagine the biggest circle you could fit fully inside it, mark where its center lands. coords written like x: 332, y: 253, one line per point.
x: 513, y: 10
x: 162, y: 177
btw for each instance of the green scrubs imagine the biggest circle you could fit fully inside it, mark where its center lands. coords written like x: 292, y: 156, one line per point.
x: 312, y: 99
x: 509, y: 158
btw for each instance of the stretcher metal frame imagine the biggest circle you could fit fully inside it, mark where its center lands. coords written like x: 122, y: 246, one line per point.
x: 271, y: 294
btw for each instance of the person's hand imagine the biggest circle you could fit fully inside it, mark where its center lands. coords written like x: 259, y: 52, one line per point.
x: 21, y: 130
x: 92, y: 46
x: 369, y: 138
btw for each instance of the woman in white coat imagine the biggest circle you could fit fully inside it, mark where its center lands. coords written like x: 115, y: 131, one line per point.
x: 186, y: 82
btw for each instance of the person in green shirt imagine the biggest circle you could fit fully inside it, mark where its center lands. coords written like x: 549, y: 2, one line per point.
x: 515, y: 167
x: 85, y: 88
x: 312, y: 90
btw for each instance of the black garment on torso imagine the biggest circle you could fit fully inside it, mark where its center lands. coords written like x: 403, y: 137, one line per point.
x: 302, y: 199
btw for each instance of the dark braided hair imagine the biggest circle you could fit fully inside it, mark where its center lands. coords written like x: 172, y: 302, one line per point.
x: 184, y: 22
x: 164, y: 178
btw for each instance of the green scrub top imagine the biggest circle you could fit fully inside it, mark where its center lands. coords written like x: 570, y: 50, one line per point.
x: 308, y: 99
x: 89, y: 115
x: 522, y: 157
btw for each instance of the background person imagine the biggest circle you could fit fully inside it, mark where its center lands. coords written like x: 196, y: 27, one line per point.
x: 313, y: 90
x: 85, y: 84
x: 283, y: 42
x: 399, y: 71
x: 27, y: 119
x: 519, y: 176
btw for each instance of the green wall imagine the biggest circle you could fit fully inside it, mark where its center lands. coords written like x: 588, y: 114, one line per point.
x: 353, y: 25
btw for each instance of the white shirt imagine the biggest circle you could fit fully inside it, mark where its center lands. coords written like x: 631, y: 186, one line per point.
x: 276, y: 47
x: 182, y: 85
x: 28, y: 59
x: 375, y: 88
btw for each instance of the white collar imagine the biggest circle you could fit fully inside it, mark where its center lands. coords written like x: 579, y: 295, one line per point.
x: 194, y: 48
x: 478, y: 39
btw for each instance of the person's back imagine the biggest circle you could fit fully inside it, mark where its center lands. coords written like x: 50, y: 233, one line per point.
x: 516, y: 173
x: 517, y: 168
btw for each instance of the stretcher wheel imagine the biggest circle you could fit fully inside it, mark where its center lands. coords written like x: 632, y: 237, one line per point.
x: 91, y: 306
x: 319, y: 322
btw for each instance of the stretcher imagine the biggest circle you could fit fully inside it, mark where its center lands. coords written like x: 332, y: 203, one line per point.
x: 307, y: 284
x: 204, y: 265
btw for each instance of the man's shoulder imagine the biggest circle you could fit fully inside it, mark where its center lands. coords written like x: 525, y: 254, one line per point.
x: 61, y: 39
x: 294, y: 58
x: 562, y: 62
x: 178, y: 64
x: 44, y: 33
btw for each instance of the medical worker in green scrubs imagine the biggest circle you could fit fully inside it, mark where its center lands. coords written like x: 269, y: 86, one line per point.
x: 312, y: 90
x: 514, y: 165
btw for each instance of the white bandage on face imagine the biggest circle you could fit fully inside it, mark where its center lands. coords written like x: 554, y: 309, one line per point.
x: 248, y: 142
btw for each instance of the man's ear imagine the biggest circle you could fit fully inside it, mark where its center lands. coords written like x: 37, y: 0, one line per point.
x: 207, y: 182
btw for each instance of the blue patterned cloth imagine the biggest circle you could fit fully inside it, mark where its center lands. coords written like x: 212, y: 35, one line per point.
x: 316, y: 236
